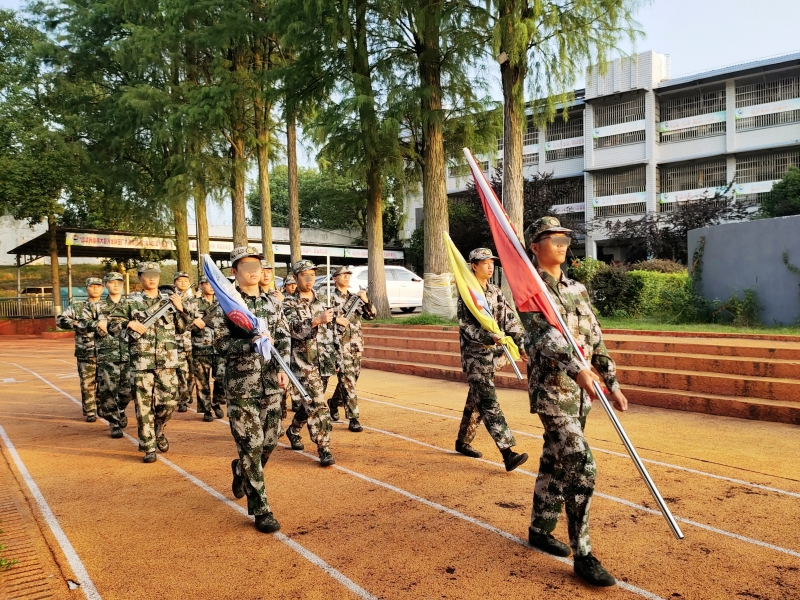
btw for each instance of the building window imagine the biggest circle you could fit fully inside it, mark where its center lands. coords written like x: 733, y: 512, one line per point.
x: 763, y: 93
x: 757, y: 168
x: 616, y: 114
x: 419, y: 215
x: 698, y: 179
x: 692, y: 106
x: 560, y: 130
x: 530, y: 159
x: 620, y: 182
x: 531, y: 136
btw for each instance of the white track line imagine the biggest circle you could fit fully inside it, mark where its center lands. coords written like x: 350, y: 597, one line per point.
x: 607, y: 497
x: 305, y: 553
x: 75, y: 563
x: 611, y: 452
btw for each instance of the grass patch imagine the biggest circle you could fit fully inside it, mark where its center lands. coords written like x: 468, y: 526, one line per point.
x: 655, y: 325
x: 422, y: 319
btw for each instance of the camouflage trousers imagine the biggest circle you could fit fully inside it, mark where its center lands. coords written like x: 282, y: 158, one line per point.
x: 482, y: 405
x: 315, y: 412
x: 114, y: 390
x: 345, y: 392
x: 156, y: 398
x: 184, y: 371
x: 204, y: 367
x: 566, y: 478
x: 255, y: 428
x: 87, y: 372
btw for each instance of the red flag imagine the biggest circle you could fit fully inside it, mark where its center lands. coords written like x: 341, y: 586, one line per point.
x: 530, y: 292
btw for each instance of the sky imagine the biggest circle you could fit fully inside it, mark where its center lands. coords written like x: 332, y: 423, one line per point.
x: 697, y: 34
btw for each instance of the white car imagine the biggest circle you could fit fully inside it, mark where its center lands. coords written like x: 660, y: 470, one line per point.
x: 403, y: 287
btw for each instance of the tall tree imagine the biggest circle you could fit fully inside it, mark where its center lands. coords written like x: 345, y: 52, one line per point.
x: 546, y: 44
x: 295, y: 251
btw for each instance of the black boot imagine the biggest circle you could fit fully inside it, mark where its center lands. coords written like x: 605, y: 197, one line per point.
x: 123, y: 420
x: 334, y: 411
x: 218, y: 412
x: 294, y: 439
x: 467, y: 450
x: 591, y: 571
x: 150, y: 457
x: 208, y: 417
x: 182, y: 408
x: 116, y: 432
x: 512, y: 460
x: 326, y: 458
x: 355, y: 426
x: 267, y: 523
x: 547, y: 543
x: 91, y: 418
x: 237, y: 486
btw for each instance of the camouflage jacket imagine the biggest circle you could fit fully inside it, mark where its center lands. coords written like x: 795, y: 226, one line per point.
x: 350, y: 338
x: 158, y: 348
x: 553, y: 365
x: 479, y: 353
x: 109, y: 347
x: 203, y: 340
x: 312, y: 347
x: 247, y: 375
x: 185, y: 339
x: 76, y: 317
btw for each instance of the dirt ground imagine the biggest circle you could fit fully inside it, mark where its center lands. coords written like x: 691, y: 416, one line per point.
x: 400, y: 515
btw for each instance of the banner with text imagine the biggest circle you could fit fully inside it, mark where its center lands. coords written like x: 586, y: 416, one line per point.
x: 560, y: 144
x: 618, y: 199
x: 767, y: 109
x: 619, y: 128
x: 687, y: 122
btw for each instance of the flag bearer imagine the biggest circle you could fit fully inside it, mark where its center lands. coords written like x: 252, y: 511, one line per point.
x: 481, y: 356
x: 561, y: 392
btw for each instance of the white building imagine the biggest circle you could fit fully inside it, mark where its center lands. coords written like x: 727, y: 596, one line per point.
x: 640, y: 141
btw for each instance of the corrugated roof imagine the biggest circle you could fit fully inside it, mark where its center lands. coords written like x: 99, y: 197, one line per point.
x: 756, y: 64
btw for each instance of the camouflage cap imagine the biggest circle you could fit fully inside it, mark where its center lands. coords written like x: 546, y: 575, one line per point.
x: 288, y: 280
x: 480, y: 254
x: 112, y: 276
x: 93, y: 281
x: 148, y: 266
x: 265, y: 264
x: 543, y: 225
x: 243, y: 252
x: 179, y: 274
x: 203, y: 279
x: 303, y: 265
x: 342, y: 270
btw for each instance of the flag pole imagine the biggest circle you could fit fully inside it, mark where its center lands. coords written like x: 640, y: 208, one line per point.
x: 665, y: 511
x: 511, y: 360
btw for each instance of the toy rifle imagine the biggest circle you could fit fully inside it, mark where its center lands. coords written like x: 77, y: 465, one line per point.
x: 208, y: 315
x: 153, y: 314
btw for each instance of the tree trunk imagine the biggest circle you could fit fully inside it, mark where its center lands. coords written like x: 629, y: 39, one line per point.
x: 294, y: 191
x: 238, y: 210
x: 201, y: 221
x: 512, y: 74
x: 369, y: 130
x: 262, y: 152
x: 182, y: 235
x: 434, y: 183
x: 55, y: 280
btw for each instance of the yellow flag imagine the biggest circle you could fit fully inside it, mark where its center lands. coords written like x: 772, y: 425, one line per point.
x: 473, y: 297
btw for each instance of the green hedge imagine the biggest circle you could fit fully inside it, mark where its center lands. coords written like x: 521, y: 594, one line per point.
x: 658, y: 293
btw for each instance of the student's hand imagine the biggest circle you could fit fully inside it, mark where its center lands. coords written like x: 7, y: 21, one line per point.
x: 103, y: 325
x: 278, y: 295
x: 619, y: 400
x: 523, y: 355
x: 283, y: 380
x: 342, y: 321
x: 585, y: 381
x: 137, y: 327
x: 496, y: 338
x: 176, y: 302
x: 323, y: 318
x: 363, y: 295
x: 199, y: 323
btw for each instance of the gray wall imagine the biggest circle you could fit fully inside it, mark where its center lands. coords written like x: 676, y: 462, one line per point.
x: 749, y: 255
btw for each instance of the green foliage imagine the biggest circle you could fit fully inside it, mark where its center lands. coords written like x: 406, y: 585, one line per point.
x: 616, y: 293
x: 585, y: 269
x: 659, y: 265
x: 421, y: 319
x: 662, y: 295
x: 415, y: 250
x: 784, y: 199
x: 5, y: 563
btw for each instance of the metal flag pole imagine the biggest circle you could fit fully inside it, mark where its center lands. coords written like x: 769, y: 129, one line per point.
x: 513, y: 363
x: 499, y: 214
x: 328, y: 272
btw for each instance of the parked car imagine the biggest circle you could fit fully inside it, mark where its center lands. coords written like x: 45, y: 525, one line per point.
x: 403, y: 287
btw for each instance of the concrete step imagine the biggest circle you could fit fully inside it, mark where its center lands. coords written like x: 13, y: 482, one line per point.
x: 450, y: 360
x: 740, y: 407
x: 768, y: 388
x: 731, y: 365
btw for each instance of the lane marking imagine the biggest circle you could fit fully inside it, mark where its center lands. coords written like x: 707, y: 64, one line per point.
x: 606, y: 497
x: 301, y: 550
x: 611, y: 452
x: 75, y: 563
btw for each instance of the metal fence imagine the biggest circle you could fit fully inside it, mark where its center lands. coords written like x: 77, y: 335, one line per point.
x: 692, y: 106
x: 763, y: 167
x: 620, y: 181
x: 764, y: 92
x: 26, y: 306
x: 564, y: 130
x: 634, y: 208
x: 613, y: 114
x: 530, y: 159
x: 576, y: 192
x: 531, y: 135
x: 692, y: 176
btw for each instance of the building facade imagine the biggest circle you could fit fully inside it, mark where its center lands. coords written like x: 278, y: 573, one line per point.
x: 637, y: 141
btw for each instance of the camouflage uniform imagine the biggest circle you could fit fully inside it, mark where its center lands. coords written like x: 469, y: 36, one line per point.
x: 566, y: 470
x: 480, y: 359
x: 185, y: 370
x: 351, y: 341
x: 114, y: 376
x: 315, y: 357
x: 154, y: 360
x: 253, y: 395
x: 76, y: 317
x: 205, y: 358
